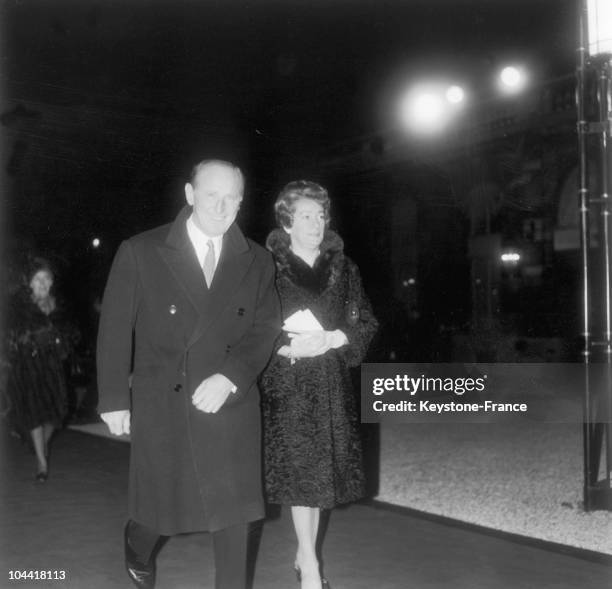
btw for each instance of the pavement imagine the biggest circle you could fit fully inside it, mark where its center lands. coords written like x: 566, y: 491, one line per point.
x: 72, y: 525
x: 521, y: 477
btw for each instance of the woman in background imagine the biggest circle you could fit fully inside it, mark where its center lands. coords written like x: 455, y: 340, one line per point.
x: 40, y: 341
x: 312, y: 447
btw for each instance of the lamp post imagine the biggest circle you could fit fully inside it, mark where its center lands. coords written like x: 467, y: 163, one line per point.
x: 595, y: 58
x: 429, y: 110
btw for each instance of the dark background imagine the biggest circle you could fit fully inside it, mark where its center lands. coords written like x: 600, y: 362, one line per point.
x: 106, y: 103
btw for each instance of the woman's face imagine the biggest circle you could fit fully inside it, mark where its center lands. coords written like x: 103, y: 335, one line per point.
x: 41, y: 284
x: 308, y: 225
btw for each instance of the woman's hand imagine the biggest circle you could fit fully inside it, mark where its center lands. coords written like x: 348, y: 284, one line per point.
x: 309, y: 345
x: 284, y: 351
x: 313, y: 343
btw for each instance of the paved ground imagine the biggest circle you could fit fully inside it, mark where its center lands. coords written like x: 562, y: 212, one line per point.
x: 74, y: 523
x: 525, y: 478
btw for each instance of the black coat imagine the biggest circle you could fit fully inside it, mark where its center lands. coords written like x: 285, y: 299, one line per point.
x: 40, y: 348
x: 189, y: 470
x: 312, y: 449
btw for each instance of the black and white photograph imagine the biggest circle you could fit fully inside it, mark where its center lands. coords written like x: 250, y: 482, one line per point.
x: 306, y: 293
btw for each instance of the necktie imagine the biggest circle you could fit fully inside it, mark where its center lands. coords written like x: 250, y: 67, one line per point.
x: 209, y: 262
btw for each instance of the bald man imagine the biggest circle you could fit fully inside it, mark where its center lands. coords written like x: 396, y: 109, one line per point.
x: 188, y: 321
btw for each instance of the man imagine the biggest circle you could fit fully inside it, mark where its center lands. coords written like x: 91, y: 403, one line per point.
x: 189, y: 318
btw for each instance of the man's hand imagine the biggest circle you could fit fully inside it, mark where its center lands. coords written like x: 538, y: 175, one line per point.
x: 118, y: 421
x: 212, y: 393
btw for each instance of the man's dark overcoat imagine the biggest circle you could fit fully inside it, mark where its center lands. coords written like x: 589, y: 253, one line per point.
x: 164, y: 331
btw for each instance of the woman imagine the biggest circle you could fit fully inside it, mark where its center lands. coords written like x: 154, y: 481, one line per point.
x: 312, y: 449
x: 40, y: 341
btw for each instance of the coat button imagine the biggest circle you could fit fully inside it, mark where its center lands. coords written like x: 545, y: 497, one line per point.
x: 178, y: 388
x: 241, y: 311
x: 172, y: 309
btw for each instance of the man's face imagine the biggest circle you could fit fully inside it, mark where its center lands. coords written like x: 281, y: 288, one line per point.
x: 215, y: 197
x: 308, y: 226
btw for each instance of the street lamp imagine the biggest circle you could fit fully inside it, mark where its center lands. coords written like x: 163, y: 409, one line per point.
x: 510, y: 258
x: 455, y: 94
x: 423, y: 111
x: 428, y: 108
x: 512, y: 79
x: 595, y: 57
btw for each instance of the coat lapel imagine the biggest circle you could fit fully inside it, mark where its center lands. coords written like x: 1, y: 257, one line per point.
x: 236, y: 258
x: 178, y: 253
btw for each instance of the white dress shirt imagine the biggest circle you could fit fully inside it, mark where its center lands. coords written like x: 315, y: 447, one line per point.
x: 199, y: 239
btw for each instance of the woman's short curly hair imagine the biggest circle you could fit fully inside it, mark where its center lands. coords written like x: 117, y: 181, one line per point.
x: 36, y: 264
x: 284, y: 207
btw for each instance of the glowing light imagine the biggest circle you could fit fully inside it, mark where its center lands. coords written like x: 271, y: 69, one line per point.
x: 455, y: 94
x: 95, y: 242
x: 424, y: 111
x: 511, y: 257
x: 600, y: 26
x: 429, y: 109
x: 512, y: 79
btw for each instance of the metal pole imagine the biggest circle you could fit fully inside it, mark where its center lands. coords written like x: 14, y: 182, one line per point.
x: 603, y: 99
x: 583, y: 202
x: 608, y: 166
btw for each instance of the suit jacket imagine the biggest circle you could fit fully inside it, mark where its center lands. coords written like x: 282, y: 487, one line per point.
x: 164, y: 331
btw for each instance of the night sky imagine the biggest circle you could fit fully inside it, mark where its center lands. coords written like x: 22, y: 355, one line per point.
x: 104, y: 103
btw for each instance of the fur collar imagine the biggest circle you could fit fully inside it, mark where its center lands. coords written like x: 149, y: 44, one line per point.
x: 322, y: 275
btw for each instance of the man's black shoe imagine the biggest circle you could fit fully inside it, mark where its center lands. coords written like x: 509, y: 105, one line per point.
x: 141, y: 574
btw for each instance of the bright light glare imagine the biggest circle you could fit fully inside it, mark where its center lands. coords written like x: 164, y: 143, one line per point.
x: 600, y: 26
x: 95, y: 242
x: 510, y: 257
x: 455, y: 94
x: 424, y: 112
x: 429, y: 107
x: 512, y: 79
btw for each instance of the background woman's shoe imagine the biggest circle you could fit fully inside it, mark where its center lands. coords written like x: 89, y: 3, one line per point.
x: 42, y: 476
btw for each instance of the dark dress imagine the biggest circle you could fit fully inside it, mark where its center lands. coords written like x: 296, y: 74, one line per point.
x: 38, y: 347
x: 312, y: 447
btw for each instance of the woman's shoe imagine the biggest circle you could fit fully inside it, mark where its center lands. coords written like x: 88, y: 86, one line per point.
x: 298, y: 573
x: 42, y: 476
